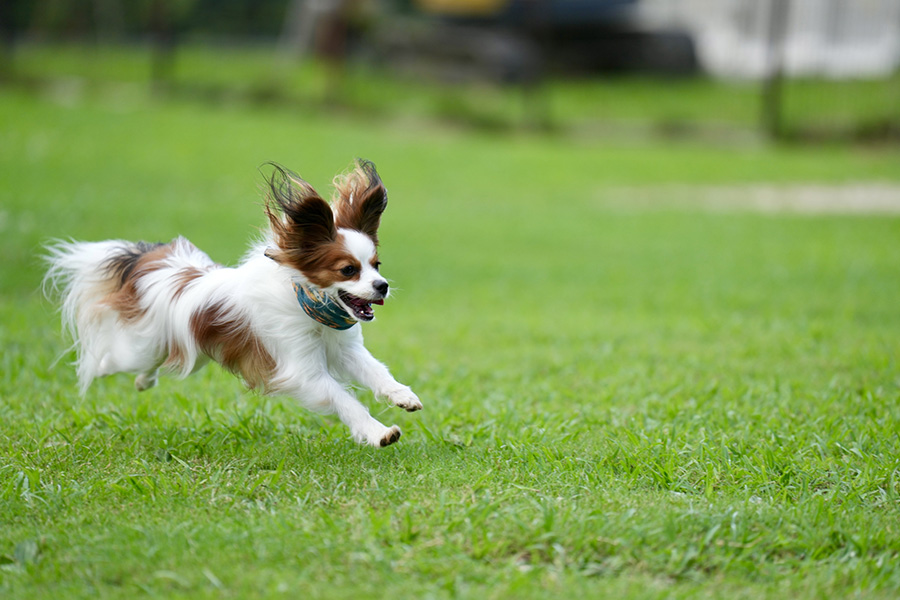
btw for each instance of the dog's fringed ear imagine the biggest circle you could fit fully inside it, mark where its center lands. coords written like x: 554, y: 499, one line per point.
x: 301, y: 220
x: 361, y: 199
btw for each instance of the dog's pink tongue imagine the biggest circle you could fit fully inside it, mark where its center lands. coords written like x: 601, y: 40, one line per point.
x: 378, y: 302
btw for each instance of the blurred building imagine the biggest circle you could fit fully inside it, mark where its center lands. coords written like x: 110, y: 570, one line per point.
x: 725, y: 38
x: 830, y: 38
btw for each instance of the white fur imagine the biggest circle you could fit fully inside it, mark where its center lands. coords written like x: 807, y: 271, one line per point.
x: 314, y: 363
x: 361, y: 246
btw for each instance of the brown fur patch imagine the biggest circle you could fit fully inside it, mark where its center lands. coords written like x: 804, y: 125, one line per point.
x: 176, y: 358
x: 302, y: 224
x: 228, y: 339
x: 322, y: 265
x: 129, y: 267
x: 184, y: 278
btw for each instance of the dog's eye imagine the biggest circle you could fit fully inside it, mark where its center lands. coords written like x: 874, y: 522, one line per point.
x: 348, y: 271
x: 377, y: 265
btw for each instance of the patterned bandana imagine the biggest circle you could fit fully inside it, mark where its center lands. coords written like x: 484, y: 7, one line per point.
x: 321, y: 308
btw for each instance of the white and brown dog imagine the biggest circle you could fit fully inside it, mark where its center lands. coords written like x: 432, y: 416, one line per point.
x: 286, y: 319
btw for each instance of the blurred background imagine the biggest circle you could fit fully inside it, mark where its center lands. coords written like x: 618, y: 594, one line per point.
x: 732, y: 69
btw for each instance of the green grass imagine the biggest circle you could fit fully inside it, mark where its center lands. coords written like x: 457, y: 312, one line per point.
x: 646, y: 401
x: 606, y: 106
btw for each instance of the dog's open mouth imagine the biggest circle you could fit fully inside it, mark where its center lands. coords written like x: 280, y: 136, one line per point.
x: 360, y: 307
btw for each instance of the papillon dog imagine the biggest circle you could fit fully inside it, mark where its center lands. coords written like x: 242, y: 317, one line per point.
x: 286, y: 319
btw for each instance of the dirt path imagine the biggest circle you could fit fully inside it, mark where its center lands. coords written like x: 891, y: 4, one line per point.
x: 855, y: 198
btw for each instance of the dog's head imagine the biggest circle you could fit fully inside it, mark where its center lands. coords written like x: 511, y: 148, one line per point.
x: 335, y: 247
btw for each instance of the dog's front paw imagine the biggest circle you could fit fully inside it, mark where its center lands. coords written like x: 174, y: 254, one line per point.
x: 406, y: 400
x: 377, y: 435
x: 390, y: 436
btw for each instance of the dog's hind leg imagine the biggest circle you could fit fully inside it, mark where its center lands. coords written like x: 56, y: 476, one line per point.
x: 145, y: 381
x: 124, y: 351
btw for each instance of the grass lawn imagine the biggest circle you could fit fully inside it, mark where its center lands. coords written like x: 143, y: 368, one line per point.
x: 623, y: 107
x: 646, y: 401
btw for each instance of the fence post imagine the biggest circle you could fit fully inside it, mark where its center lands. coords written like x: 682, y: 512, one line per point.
x: 779, y: 11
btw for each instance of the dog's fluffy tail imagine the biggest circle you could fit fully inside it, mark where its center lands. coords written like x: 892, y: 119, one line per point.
x: 81, y: 276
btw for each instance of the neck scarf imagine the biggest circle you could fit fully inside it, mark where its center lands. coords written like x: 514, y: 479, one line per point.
x: 322, y: 308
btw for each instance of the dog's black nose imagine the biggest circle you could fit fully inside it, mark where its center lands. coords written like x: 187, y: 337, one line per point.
x: 381, y: 287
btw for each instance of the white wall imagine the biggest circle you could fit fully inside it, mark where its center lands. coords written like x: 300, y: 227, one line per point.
x: 831, y: 38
